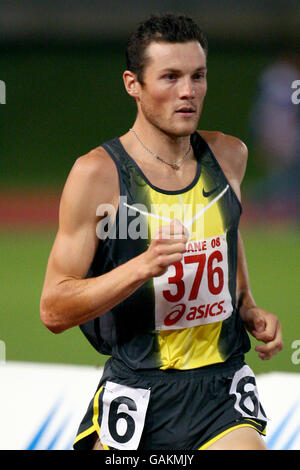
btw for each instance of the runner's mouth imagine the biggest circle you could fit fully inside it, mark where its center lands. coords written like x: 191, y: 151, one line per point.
x: 186, y: 110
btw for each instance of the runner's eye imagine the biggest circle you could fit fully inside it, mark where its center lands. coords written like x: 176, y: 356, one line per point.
x: 170, y: 76
x: 199, y: 76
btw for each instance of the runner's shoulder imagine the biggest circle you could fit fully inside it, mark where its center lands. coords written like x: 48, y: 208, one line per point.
x: 230, y: 151
x: 93, y: 179
x: 225, y: 142
x: 96, y: 166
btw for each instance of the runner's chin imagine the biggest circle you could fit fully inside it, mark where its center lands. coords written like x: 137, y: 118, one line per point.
x: 184, y: 126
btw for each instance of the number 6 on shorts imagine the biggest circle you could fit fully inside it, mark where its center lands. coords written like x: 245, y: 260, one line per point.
x: 243, y: 386
x: 123, y: 416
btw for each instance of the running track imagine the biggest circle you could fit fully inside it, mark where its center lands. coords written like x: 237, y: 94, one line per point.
x: 32, y: 209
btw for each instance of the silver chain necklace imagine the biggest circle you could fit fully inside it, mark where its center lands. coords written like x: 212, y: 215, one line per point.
x: 175, y: 165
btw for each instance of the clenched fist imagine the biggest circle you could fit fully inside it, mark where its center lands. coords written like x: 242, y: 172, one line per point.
x: 166, y: 248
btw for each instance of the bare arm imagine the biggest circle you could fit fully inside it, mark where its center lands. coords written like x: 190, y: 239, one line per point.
x: 232, y: 155
x: 68, y: 299
x: 263, y: 325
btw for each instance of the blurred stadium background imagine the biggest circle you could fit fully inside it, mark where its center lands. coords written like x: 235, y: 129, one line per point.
x: 62, y: 65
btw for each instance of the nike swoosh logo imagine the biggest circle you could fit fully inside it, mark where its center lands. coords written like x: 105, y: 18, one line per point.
x: 208, y: 193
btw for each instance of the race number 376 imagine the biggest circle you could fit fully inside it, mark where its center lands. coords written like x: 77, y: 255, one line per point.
x: 195, y: 290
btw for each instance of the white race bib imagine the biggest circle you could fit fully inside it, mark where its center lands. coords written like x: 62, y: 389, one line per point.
x: 123, y: 416
x: 195, y: 290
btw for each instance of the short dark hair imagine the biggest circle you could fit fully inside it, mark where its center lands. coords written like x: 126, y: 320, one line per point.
x: 161, y: 28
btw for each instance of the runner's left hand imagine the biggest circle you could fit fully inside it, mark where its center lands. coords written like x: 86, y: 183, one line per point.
x: 264, y: 326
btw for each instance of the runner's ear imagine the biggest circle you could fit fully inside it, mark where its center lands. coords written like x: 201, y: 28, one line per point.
x: 131, y: 83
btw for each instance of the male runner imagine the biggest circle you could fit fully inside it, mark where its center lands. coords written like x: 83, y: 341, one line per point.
x: 170, y: 300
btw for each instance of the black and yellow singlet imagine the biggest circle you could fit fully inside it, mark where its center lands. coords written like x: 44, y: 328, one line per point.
x: 186, y: 318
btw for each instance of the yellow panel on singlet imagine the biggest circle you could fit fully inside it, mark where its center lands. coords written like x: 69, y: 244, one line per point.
x: 194, y: 346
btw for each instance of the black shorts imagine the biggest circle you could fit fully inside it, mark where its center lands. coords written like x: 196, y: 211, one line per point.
x: 170, y: 409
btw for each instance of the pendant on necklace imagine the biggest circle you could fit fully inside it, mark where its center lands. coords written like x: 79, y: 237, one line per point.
x: 175, y: 166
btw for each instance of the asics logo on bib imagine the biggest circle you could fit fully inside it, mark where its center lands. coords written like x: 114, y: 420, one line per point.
x: 195, y: 290
x: 194, y: 313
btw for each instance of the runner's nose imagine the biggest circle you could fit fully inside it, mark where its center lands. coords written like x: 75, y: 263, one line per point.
x: 186, y: 90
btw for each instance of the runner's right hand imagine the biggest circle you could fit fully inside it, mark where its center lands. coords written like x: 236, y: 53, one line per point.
x: 166, y: 248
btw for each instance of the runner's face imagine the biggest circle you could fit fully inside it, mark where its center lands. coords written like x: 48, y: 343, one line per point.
x: 174, y: 86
